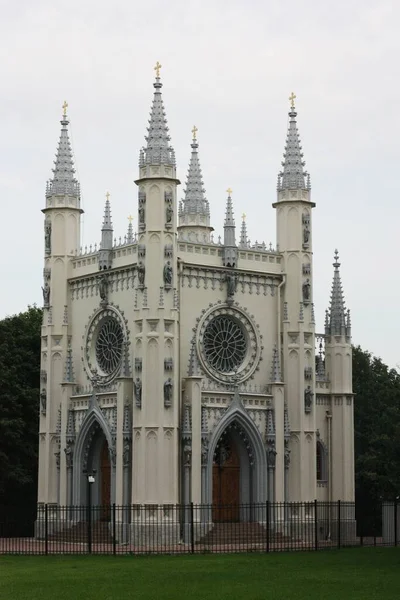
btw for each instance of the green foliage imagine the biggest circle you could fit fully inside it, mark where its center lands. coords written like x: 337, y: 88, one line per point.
x: 377, y: 427
x: 19, y: 406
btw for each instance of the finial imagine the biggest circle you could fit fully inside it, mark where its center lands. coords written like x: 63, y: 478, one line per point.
x: 108, y: 196
x: 229, y: 191
x: 194, y: 132
x: 336, y: 264
x: 292, y: 98
x: 157, y: 69
x: 130, y: 218
x: 64, y: 107
x: 243, y: 216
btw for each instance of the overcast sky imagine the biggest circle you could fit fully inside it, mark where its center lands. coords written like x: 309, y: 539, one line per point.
x: 228, y: 67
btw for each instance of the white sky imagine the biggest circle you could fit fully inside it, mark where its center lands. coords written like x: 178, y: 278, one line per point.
x: 228, y: 67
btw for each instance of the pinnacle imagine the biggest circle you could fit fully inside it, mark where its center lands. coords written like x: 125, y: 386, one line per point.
x: 337, y: 320
x: 107, y: 224
x: 293, y: 174
x: 244, y: 242
x: 275, y: 369
x: 157, y: 151
x: 195, y: 201
x: 63, y: 181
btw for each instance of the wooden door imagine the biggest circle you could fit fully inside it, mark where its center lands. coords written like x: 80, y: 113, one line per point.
x: 226, y: 483
x: 105, y: 496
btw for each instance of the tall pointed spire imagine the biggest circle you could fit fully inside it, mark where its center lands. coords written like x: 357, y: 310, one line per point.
x: 129, y: 235
x: 293, y: 174
x: 63, y: 181
x: 230, y: 249
x: 194, y: 211
x: 338, y: 318
x: 158, y: 150
x: 105, y: 253
x: 244, y: 242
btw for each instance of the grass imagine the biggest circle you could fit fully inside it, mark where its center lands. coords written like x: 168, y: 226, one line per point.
x: 356, y: 574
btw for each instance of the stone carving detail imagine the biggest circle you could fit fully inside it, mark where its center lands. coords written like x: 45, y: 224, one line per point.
x: 69, y: 455
x: 138, y: 392
x: 167, y: 275
x: 47, y: 237
x: 138, y: 364
x: 169, y: 212
x: 103, y: 289
x: 187, y: 452
x: 204, y: 452
x: 308, y: 398
x: 43, y: 401
x: 46, y: 288
x: 307, y: 291
x: 126, y: 455
x: 308, y: 373
x: 142, y: 211
x: 306, y: 236
x: 287, y: 454
x: 246, y: 283
x: 141, y: 270
x: 141, y: 250
x: 230, y: 279
x: 168, y: 364
x: 168, y: 251
x: 168, y: 387
x: 271, y: 454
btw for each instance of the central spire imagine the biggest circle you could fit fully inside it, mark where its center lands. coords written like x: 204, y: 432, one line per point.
x: 63, y: 182
x: 158, y: 150
x: 293, y: 175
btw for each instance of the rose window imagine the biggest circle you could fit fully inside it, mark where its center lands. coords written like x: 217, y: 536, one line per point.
x: 109, y: 346
x: 224, y: 344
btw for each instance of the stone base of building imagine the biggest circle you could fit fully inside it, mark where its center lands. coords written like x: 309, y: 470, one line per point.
x: 153, y: 535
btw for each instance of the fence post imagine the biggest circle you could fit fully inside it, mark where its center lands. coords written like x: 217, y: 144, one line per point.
x: 267, y: 524
x: 316, y: 524
x: 46, y: 529
x: 338, y: 524
x: 395, y: 521
x: 192, y: 527
x: 114, y: 530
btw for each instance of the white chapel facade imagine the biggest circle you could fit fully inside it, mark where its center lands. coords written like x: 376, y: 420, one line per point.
x: 180, y: 368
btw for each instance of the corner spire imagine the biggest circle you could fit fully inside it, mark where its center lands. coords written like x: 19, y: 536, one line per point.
x: 275, y: 368
x: 338, y: 318
x: 157, y: 151
x: 129, y: 235
x: 244, y: 242
x: 293, y: 175
x: 107, y: 224
x: 105, y: 253
x: 230, y: 250
x: 63, y: 182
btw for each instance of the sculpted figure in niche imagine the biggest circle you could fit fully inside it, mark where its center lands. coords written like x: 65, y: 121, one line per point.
x: 306, y: 290
x: 43, y: 397
x: 46, y: 293
x: 141, y: 214
x: 47, y: 237
x: 68, y: 456
x: 231, y: 284
x: 187, y: 453
x: 141, y: 270
x: 168, y: 213
x: 287, y: 457
x: 103, y: 288
x: 168, y: 392
x: 167, y: 273
x: 308, y: 396
x: 126, y: 456
x: 138, y: 392
x: 271, y: 456
x: 306, y: 235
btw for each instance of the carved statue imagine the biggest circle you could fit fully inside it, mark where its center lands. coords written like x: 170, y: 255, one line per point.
x: 306, y: 235
x: 43, y: 401
x: 287, y: 457
x: 68, y: 455
x: 271, y: 456
x: 47, y: 237
x: 141, y: 215
x: 167, y: 273
x: 187, y: 453
x: 126, y: 456
x: 168, y: 213
x: 306, y: 290
x: 138, y: 392
x: 46, y: 294
x: 168, y: 392
x: 308, y: 396
x: 204, y: 452
x: 96, y: 379
x: 141, y: 271
x: 103, y: 288
x: 231, y: 284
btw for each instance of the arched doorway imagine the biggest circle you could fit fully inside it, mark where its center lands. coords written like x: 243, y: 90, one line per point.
x: 105, y: 482
x: 226, y: 481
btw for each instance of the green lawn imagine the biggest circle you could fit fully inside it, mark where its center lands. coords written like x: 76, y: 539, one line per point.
x: 364, y: 574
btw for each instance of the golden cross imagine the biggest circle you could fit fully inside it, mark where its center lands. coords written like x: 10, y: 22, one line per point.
x: 108, y: 196
x: 244, y: 216
x: 157, y: 69
x: 194, y: 131
x: 130, y: 218
x: 229, y: 191
x: 65, y: 106
x: 292, y: 98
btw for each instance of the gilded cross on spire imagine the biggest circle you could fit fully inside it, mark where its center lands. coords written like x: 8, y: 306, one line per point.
x: 194, y: 132
x: 229, y: 191
x: 157, y: 69
x: 292, y: 98
x: 130, y: 218
x: 243, y: 216
x: 108, y: 196
x: 64, y: 107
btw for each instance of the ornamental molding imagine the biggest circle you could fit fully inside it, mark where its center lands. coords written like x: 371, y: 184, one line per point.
x: 98, y: 368
x: 215, y: 279
x: 246, y: 361
x: 88, y: 287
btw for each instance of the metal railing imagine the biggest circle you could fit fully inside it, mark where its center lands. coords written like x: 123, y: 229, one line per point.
x: 206, y: 528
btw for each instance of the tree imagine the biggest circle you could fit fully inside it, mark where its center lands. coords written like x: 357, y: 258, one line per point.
x: 19, y: 407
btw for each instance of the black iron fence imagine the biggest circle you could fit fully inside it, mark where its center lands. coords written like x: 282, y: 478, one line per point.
x: 179, y: 529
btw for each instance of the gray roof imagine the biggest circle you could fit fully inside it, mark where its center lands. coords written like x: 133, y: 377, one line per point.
x: 158, y: 150
x: 293, y: 174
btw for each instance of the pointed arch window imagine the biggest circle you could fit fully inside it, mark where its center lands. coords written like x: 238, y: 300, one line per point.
x: 322, y: 462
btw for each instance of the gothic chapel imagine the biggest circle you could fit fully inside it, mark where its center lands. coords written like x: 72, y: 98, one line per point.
x: 177, y: 367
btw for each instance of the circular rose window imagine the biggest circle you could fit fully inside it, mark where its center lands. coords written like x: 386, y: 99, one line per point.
x: 106, y: 337
x: 224, y: 344
x: 109, y: 346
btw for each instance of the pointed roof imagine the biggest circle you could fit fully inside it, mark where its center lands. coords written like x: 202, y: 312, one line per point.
x: 276, y: 368
x: 244, y: 242
x: 293, y: 174
x: 129, y: 235
x: 107, y: 223
x: 63, y: 181
x: 229, y: 219
x: 158, y: 150
x: 195, y: 200
x: 338, y: 316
